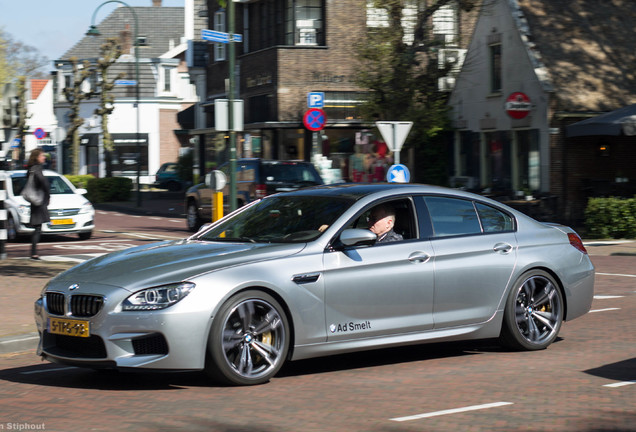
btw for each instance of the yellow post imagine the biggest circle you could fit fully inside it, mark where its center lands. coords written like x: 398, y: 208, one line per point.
x: 217, y: 206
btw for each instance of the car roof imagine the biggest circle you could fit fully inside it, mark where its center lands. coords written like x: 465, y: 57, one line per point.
x: 359, y: 190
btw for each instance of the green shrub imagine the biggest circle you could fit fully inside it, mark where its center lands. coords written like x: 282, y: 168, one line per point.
x: 109, y: 189
x: 79, y: 181
x: 610, y: 218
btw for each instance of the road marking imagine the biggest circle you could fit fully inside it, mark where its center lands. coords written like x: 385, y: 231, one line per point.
x: 451, y: 411
x: 48, y: 370
x: 620, y: 384
x: 604, y: 310
x: 607, y: 297
x: 616, y: 274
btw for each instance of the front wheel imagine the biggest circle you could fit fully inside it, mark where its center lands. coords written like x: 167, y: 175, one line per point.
x: 248, y: 341
x: 193, y: 219
x: 534, y: 312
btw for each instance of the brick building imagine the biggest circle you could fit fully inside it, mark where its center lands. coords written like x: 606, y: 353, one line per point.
x: 289, y: 49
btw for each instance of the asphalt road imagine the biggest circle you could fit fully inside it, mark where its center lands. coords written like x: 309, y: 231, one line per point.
x: 586, y: 381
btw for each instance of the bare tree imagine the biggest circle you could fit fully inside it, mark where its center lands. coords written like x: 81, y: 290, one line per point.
x: 75, y: 95
x: 110, y: 52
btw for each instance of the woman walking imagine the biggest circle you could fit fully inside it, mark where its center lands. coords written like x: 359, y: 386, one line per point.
x: 39, y: 213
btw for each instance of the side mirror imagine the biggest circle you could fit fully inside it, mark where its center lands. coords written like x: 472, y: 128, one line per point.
x: 81, y: 191
x: 357, y: 237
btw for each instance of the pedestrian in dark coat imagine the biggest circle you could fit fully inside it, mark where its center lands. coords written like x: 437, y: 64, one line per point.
x: 39, y: 213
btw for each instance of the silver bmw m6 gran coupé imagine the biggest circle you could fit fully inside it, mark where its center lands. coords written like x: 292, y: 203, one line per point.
x: 301, y: 274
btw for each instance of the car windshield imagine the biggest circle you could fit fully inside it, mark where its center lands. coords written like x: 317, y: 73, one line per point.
x: 56, y: 184
x: 289, y: 173
x: 281, y: 219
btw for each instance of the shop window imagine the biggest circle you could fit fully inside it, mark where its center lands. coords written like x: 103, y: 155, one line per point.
x: 343, y: 105
x: 528, y: 160
x: 497, y: 169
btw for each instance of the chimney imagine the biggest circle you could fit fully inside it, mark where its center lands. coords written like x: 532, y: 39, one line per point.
x: 156, y: 3
x: 125, y: 39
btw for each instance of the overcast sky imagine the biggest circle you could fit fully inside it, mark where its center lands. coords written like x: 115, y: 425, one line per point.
x: 54, y: 26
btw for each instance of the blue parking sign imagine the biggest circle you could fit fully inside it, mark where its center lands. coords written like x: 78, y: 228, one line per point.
x: 315, y: 99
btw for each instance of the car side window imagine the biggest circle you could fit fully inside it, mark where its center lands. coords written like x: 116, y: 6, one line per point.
x: 493, y: 220
x: 451, y: 217
x: 404, y: 220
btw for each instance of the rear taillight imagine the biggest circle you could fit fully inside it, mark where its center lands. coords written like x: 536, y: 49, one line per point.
x: 261, y: 191
x: 576, y: 241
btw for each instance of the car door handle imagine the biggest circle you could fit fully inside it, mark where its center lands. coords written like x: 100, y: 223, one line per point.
x: 419, y: 257
x: 502, y: 248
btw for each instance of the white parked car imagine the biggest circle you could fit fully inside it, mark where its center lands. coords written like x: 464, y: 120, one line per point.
x: 70, y: 211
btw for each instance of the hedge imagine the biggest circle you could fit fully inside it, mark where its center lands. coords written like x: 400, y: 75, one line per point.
x: 610, y: 218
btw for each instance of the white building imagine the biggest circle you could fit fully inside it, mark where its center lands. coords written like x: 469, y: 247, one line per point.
x: 149, y: 133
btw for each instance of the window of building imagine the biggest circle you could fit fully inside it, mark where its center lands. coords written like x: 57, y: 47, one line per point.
x: 495, y: 68
x: 445, y: 25
x: 497, y: 170
x: 343, y: 105
x: 528, y: 160
x: 304, y: 22
x: 167, y: 75
x: 219, y: 25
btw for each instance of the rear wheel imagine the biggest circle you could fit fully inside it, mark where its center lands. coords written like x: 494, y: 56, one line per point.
x: 85, y: 235
x: 249, y: 340
x: 534, y: 312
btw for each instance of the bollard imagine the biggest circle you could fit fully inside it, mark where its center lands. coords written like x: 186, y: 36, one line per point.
x: 3, y: 217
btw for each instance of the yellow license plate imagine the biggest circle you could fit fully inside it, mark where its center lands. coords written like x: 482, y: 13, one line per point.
x: 62, y: 222
x: 69, y: 327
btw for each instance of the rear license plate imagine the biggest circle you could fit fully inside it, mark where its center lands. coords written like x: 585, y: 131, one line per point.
x: 62, y: 222
x: 69, y: 327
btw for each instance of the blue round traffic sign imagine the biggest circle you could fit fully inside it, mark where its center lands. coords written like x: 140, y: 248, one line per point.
x: 314, y: 119
x: 39, y: 133
x: 398, y: 173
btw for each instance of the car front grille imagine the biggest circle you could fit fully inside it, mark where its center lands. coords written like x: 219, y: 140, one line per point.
x: 151, y: 344
x: 63, y: 212
x: 80, y: 306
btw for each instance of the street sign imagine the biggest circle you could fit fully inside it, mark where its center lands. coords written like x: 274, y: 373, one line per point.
x: 394, y: 133
x: 39, y: 133
x: 123, y: 82
x: 220, y: 37
x: 314, y: 119
x: 316, y: 99
x: 398, y: 174
x: 518, y: 105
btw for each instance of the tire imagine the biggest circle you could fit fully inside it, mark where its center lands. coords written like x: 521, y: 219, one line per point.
x: 85, y: 235
x: 193, y: 219
x: 534, y: 312
x: 174, y: 186
x: 12, y: 230
x: 249, y: 340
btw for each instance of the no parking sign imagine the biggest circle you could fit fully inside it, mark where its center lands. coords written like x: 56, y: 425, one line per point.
x: 314, y: 119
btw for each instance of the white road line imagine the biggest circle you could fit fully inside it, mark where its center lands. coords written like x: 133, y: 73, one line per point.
x: 604, y: 310
x: 620, y: 384
x: 451, y: 411
x: 616, y: 274
x: 48, y: 370
x: 606, y: 297
x: 175, y: 220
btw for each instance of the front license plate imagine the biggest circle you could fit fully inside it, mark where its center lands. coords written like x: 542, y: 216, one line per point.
x: 62, y: 222
x: 69, y: 327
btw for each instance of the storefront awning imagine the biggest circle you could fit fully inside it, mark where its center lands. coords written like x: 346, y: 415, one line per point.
x: 619, y: 122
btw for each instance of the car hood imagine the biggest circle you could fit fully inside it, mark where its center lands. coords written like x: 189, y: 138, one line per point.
x: 173, y: 261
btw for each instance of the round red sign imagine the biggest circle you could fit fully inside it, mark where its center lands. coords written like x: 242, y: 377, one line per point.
x: 315, y: 119
x: 518, y: 105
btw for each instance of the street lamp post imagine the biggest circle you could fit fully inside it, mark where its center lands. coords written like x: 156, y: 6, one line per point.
x: 94, y: 31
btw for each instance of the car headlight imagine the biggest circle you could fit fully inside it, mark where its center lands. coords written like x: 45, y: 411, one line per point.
x: 86, y: 208
x: 157, y: 298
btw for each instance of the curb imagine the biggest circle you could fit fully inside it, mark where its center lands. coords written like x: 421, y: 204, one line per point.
x: 19, y: 343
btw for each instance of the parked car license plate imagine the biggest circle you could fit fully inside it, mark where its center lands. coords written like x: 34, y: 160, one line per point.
x: 61, y: 221
x: 69, y: 327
